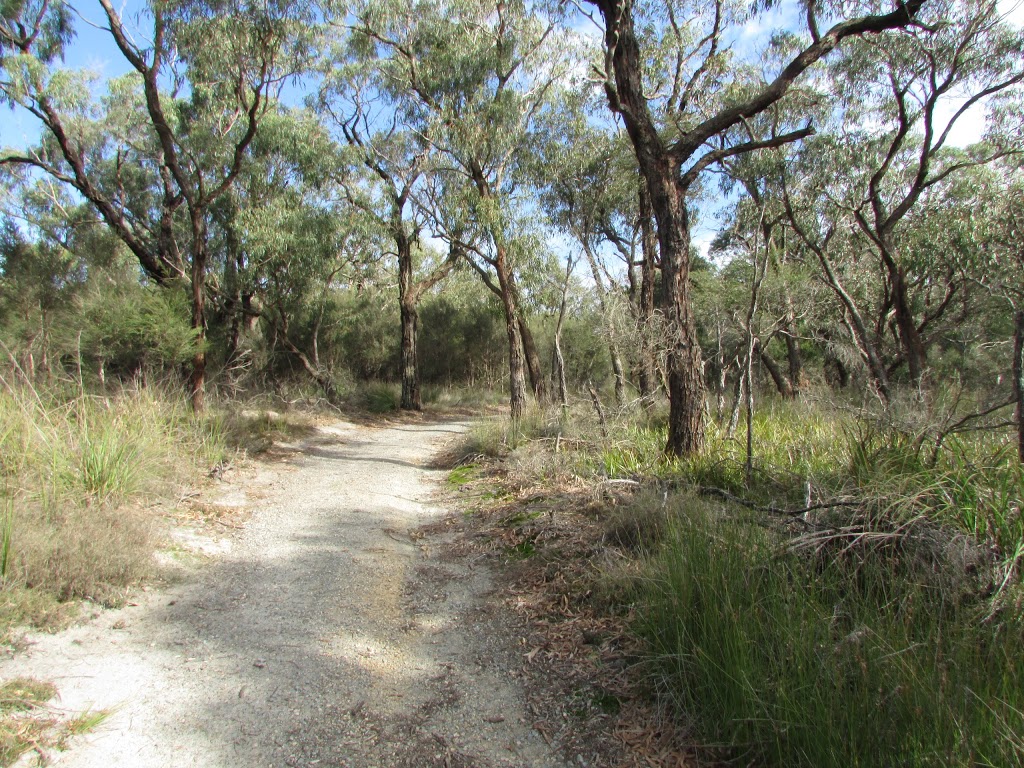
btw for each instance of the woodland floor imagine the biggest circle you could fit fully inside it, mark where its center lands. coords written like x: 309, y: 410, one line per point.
x: 323, y: 613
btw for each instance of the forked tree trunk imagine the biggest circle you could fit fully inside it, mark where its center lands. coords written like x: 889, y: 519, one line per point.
x: 910, y: 338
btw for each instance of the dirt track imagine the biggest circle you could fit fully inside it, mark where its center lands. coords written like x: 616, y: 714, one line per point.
x: 323, y: 632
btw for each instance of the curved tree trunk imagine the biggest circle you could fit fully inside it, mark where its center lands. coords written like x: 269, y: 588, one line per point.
x: 782, y: 383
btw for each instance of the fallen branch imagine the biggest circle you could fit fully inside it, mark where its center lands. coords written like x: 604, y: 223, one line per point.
x: 705, y: 490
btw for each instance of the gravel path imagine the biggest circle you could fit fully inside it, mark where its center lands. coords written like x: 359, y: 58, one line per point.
x: 325, y: 632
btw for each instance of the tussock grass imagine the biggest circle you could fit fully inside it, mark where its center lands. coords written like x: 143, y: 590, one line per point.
x: 825, y: 661
x: 75, y: 473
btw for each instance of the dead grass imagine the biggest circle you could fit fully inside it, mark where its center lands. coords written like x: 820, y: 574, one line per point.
x: 29, y: 721
x: 84, y: 485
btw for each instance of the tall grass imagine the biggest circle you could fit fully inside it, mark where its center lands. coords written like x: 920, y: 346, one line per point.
x: 798, y: 661
x: 883, y: 631
x: 75, y: 472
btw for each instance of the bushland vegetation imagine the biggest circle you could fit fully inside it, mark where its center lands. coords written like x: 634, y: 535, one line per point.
x: 755, y: 267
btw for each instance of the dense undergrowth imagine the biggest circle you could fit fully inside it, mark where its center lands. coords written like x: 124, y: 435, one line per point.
x: 853, y: 598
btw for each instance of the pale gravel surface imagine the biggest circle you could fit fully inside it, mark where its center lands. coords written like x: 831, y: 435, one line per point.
x: 325, y: 632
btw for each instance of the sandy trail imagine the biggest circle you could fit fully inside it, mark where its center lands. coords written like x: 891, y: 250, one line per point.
x: 325, y: 632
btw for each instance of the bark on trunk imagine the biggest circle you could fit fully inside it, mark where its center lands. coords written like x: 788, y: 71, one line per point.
x: 411, y: 400
x: 685, y: 363
x: 910, y: 339
x: 613, y: 347
x: 563, y: 390
x: 197, y: 376
x: 233, y: 307
x: 737, y: 395
x: 782, y: 384
x: 407, y: 299
x: 795, y: 362
x: 645, y: 309
x: 516, y: 372
x: 532, y: 359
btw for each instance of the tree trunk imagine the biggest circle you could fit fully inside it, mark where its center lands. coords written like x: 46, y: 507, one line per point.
x: 782, y: 384
x: 661, y: 167
x: 407, y: 299
x: 795, y: 362
x: 563, y: 390
x: 232, y: 288
x: 910, y: 339
x: 685, y: 364
x: 737, y: 395
x: 529, y: 346
x: 197, y: 377
x: 410, y: 370
x: 613, y: 348
x: 516, y: 372
x: 645, y: 309
x: 532, y: 358
x: 1018, y: 379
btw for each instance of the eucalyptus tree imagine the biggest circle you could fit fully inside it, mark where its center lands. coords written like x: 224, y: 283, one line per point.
x: 476, y: 75
x: 590, y: 194
x: 668, y: 73
x: 199, y: 89
x: 887, y: 169
x: 364, y: 105
x: 301, y: 254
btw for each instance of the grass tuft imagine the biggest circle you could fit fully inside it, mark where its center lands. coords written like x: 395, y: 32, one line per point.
x: 835, y: 661
x: 76, y: 475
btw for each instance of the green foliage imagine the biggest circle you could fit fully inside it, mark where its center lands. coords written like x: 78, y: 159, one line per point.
x: 129, y: 328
